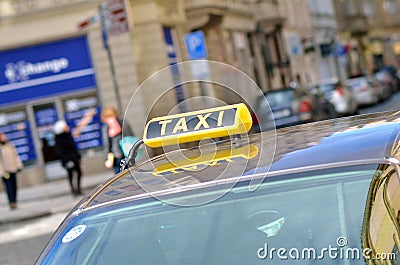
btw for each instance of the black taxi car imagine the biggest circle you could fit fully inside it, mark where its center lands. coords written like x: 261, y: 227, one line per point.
x: 330, y: 194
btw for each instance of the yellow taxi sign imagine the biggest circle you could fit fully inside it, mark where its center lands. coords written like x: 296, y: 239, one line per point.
x: 197, y: 125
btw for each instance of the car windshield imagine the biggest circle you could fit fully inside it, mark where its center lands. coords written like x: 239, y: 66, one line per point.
x: 304, y: 213
x: 280, y: 97
x: 380, y: 74
x: 325, y: 87
x: 356, y: 82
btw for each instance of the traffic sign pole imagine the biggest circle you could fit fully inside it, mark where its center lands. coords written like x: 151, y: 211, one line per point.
x: 104, y: 28
x: 196, y: 50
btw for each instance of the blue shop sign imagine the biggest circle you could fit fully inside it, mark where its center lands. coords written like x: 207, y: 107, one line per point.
x: 17, y: 128
x: 45, y: 70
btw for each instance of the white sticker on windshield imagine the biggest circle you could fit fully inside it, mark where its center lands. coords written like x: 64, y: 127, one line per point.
x: 74, y: 233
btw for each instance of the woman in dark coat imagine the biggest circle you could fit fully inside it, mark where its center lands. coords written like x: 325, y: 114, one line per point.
x: 68, y: 154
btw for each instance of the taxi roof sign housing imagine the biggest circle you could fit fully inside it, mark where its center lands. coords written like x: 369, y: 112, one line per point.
x: 197, y: 125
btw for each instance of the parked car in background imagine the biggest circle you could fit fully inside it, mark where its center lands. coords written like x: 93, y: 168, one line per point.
x: 364, y: 91
x: 338, y: 94
x: 394, y: 73
x: 386, y: 78
x: 289, y: 106
x: 383, y: 87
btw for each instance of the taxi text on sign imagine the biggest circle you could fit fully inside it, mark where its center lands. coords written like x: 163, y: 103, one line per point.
x: 197, y: 125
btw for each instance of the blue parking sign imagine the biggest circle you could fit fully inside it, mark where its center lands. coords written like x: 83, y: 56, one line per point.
x: 196, y: 45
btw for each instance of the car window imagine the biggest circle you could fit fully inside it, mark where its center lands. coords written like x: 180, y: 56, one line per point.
x: 356, y: 82
x: 280, y: 97
x: 303, y: 213
x: 326, y: 87
x: 380, y: 75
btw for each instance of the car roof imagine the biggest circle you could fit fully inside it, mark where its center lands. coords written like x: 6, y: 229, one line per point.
x: 344, y: 141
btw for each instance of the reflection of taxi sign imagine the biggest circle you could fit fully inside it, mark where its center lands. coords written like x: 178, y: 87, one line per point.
x: 212, y: 159
x: 197, y: 125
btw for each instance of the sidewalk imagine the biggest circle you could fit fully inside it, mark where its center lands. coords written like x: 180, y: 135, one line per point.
x: 47, y: 198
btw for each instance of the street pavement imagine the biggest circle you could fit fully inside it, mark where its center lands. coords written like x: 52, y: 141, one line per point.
x: 47, y: 198
x: 25, y: 231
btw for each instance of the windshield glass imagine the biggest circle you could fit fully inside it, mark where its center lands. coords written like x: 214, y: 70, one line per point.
x: 303, y: 213
x: 280, y: 97
x: 326, y: 87
x: 358, y: 82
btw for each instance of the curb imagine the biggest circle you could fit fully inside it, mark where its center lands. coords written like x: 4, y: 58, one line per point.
x: 25, y: 217
x: 41, y: 206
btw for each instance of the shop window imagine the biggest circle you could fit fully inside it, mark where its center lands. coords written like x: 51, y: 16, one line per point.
x: 82, y: 114
x: 390, y: 7
x: 351, y: 7
x: 15, y: 124
x: 326, y: 49
x: 369, y: 8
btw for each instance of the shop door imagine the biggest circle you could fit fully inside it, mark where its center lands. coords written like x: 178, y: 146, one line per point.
x: 45, y: 115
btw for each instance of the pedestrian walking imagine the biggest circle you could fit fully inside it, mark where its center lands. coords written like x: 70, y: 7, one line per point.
x: 10, y: 164
x: 69, y: 155
x: 114, y: 132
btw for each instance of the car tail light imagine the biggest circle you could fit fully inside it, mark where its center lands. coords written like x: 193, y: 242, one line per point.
x: 254, y: 118
x: 340, y: 91
x: 305, y: 106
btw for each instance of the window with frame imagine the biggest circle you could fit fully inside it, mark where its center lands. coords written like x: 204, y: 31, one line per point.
x: 350, y: 7
x: 369, y: 8
x: 390, y: 7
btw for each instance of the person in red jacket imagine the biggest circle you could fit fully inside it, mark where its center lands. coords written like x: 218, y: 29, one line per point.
x: 113, y: 130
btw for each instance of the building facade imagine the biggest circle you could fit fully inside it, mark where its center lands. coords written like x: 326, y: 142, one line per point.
x: 57, y: 63
x: 371, y: 30
x: 50, y: 70
x: 271, y: 58
x: 383, y: 40
x: 331, y: 55
x: 298, y: 33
